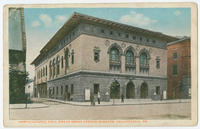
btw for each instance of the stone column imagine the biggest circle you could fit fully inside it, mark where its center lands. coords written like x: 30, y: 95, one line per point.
x: 137, y: 92
x: 123, y: 70
x: 137, y: 59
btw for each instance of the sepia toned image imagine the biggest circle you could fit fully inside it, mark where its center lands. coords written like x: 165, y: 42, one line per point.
x: 100, y: 65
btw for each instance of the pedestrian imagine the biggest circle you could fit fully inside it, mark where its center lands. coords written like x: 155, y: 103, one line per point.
x: 122, y: 98
x: 99, y: 97
x: 91, y: 99
x: 68, y: 96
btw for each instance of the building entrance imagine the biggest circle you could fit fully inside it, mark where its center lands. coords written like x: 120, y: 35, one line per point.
x: 130, y: 90
x: 115, y: 90
x: 144, y: 91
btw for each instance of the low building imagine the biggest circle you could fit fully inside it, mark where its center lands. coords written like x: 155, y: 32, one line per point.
x: 179, y: 69
x: 29, y: 89
x: 88, y: 54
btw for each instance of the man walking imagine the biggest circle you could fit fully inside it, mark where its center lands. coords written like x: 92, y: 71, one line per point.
x: 98, y: 95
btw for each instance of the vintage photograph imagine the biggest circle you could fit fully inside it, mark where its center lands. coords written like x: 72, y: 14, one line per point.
x: 100, y: 65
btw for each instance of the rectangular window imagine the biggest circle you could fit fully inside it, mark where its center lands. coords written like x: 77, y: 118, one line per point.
x: 56, y: 90
x: 41, y: 73
x: 127, y: 35
x: 111, y: 32
x: 102, y: 31
x: 96, y: 88
x: 157, y: 64
x: 119, y: 34
x: 134, y: 37
x: 147, y: 40
x: 53, y: 90
x: 157, y: 90
x: 72, y: 89
x: 140, y: 38
x: 58, y: 68
x: 96, y: 56
x: 175, y: 55
x: 154, y: 41
x: 66, y: 89
x: 46, y: 70
x: 62, y: 62
x: 61, y: 90
x: 175, y: 69
x: 72, y: 56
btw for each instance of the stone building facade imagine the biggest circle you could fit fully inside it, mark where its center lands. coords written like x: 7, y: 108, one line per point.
x: 179, y: 69
x: 88, y: 54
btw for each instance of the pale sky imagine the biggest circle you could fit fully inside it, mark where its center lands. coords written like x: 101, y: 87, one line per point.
x: 42, y: 23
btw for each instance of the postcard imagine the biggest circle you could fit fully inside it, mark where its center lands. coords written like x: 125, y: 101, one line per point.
x: 100, y: 65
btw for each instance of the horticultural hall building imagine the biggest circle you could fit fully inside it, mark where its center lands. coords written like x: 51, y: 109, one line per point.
x: 88, y: 54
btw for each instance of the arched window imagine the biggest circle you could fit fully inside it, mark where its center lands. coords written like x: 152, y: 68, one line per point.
x: 114, y: 54
x: 50, y: 69
x: 129, y: 57
x: 43, y: 71
x: 46, y: 70
x: 62, y: 62
x: 72, y: 56
x: 54, y: 69
x: 130, y: 64
x: 66, y: 58
x: 58, y: 65
x: 143, y: 59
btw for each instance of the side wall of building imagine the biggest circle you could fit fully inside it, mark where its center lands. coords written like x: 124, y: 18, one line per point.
x: 183, y: 63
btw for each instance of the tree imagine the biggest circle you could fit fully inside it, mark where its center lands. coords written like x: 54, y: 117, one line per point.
x: 115, y: 90
x: 17, y: 81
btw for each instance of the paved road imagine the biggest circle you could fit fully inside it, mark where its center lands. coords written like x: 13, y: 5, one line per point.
x: 57, y: 111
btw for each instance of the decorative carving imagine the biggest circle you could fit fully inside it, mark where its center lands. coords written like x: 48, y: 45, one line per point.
x: 70, y: 46
x: 107, y: 43
x: 150, y: 50
x: 96, y: 49
x: 132, y: 49
x: 137, y: 47
x: 115, y: 45
x: 123, y: 45
x: 144, y: 50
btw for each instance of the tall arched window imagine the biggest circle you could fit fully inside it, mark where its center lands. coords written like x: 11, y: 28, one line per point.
x: 129, y: 57
x: 58, y: 65
x: 130, y: 64
x: 114, y: 55
x: 54, y: 68
x: 62, y: 62
x: 50, y: 69
x: 66, y: 58
x: 143, y: 59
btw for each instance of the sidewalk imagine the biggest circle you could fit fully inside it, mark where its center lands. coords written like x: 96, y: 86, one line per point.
x: 118, y: 102
x: 23, y: 106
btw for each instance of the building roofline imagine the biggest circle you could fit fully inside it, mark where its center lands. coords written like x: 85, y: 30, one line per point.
x: 75, y: 19
x: 178, y: 41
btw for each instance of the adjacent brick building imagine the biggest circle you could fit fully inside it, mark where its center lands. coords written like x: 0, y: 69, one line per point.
x: 88, y: 54
x: 179, y: 69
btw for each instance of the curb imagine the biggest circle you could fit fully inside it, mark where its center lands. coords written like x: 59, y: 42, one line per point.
x: 45, y: 106
x: 114, y: 104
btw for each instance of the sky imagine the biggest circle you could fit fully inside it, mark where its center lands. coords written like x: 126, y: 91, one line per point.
x: 42, y: 23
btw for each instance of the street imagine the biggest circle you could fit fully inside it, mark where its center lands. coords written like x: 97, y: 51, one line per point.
x: 58, y: 111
